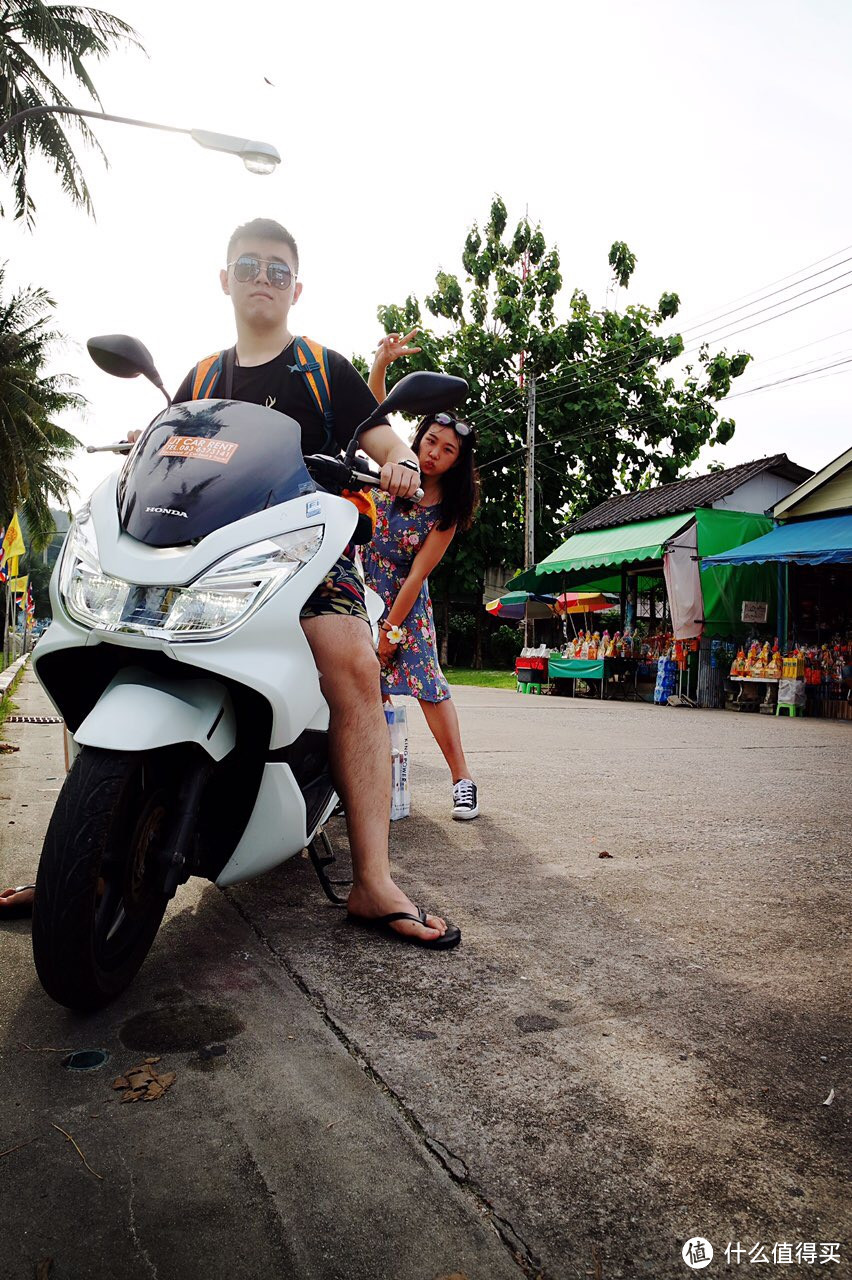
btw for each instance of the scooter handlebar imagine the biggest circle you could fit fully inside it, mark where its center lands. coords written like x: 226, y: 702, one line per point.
x: 370, y: 480
x: 121, y: 446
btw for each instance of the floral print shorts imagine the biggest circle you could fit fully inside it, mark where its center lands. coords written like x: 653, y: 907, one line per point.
x: 340, y: 592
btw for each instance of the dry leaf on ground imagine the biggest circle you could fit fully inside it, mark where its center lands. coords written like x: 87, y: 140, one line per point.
x: 144, y: 1084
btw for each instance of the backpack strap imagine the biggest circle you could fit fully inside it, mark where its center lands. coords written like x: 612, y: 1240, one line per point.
x: 205, y: 375
x: 312, y: 363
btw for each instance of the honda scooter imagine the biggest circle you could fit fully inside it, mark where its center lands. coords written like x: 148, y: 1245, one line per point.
x: 176, y: 659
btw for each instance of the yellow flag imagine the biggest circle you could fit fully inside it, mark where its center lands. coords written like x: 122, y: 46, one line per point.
x: 13, y: 543
x: 19, y: 585
x: 13, y: 566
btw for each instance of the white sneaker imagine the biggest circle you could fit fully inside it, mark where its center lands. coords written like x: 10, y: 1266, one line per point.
x: 465, y: 804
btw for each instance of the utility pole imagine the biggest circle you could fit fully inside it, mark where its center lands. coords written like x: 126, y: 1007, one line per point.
x: 529, y: 495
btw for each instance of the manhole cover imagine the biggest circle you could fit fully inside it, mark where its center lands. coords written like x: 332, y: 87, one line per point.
x: 85, y: 1060
x: 33, y: 720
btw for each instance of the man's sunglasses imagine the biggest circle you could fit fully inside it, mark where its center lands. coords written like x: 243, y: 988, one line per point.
x: 447, y: 420
x: 247, y: 267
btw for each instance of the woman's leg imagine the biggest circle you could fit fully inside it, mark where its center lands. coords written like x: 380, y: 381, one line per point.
x: 444, y: 725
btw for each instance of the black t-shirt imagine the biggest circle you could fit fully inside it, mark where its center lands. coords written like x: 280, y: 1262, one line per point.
x: 277, y: 386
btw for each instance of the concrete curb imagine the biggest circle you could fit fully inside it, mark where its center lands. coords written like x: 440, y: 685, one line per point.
x: 8, y: 676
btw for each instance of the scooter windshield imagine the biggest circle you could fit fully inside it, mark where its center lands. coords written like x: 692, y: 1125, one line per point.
x: 206, y: 463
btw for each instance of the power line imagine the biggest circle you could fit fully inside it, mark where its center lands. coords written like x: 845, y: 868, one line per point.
x: 700, y: 339
x: 770, y: 283
x: 705, y: 337
x: 763, y: 297
x: 792, y: 378
x: 614, y: 429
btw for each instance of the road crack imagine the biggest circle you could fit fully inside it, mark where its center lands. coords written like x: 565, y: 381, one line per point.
x: 452, y: 1164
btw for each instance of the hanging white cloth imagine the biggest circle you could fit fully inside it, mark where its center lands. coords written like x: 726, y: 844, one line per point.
x: 683, y: 583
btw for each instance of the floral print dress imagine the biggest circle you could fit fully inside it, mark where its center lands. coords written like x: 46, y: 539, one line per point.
x: 401, y: 529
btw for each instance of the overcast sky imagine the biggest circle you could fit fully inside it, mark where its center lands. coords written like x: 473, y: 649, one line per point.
x: 712, y: 138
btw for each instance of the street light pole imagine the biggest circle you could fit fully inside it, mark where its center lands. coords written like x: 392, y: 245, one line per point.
x: 258, y: 157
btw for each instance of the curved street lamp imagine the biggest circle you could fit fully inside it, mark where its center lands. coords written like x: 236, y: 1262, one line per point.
x: 258, y: 157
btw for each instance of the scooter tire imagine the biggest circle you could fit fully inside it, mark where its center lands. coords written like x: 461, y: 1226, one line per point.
x: 99, y: 856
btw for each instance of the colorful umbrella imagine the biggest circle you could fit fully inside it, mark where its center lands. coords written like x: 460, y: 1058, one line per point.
x: 515, y: 605
x: 583, y: 602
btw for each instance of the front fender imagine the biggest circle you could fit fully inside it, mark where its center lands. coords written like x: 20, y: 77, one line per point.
x: 140, y: 712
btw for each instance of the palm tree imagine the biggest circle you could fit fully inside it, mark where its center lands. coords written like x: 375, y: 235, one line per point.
x: 33, y: 446
x: 34, y: 36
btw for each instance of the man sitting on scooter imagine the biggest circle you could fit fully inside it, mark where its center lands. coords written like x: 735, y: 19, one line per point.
x: 261, y: 280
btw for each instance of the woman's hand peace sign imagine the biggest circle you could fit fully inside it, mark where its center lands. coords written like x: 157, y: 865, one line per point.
x: 394, y: 346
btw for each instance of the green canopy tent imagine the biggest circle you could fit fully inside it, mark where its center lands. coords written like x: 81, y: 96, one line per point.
x: 601, y: 559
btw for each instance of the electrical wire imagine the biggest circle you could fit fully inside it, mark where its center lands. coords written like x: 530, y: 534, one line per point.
x: 705, y: 337
x: 763, y: 297
x: 557, y: 386
x: 505, y: 396
x: 725, y: 305
x: 614, y: 429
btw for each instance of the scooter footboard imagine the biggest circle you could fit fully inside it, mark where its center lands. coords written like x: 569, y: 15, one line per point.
x: 276, y: 829
x: 141, y: 712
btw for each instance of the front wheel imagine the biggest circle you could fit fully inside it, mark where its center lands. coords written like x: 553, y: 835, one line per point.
x: 99, y: 896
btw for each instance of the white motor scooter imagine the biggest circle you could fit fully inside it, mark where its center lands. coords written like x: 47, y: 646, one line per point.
x: 178, y: 663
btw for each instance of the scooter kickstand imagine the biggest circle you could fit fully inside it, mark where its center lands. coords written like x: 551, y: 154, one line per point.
x: 320, y: 863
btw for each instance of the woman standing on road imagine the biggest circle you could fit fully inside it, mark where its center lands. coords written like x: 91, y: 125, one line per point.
x: 411, y: 538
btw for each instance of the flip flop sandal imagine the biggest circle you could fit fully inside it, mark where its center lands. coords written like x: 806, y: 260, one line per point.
x: 15, y: 910
x: 382, y: 925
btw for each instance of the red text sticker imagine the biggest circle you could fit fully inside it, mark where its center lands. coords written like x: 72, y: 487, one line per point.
x: 199, y: 447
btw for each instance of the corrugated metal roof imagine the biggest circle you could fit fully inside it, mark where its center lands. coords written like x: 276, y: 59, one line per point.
x: 603, y: 549
x: 683, y: 495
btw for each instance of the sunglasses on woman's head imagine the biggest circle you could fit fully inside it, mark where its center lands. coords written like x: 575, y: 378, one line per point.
x: 247, y: 267
x: 447, y: 420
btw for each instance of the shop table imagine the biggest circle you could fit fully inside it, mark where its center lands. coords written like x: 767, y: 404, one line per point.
x: 578, y: 669
x: 768, y: 704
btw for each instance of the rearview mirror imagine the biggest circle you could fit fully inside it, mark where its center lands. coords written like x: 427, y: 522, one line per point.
x: 125, y: 357
x: 419, y: 393
x: 423, y: 393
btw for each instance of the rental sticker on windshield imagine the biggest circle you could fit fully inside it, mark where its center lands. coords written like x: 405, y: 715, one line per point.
x: 199, y: 447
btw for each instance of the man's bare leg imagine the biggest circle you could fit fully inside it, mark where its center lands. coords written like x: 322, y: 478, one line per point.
x: 359, y: 749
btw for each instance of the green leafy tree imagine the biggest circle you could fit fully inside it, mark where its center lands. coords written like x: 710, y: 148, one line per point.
x: 611, y: 413
x: 33, y: 445
x: 36, y: 41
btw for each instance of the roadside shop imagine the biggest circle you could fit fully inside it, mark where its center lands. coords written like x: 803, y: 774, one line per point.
x: 809, y: 550
x: 644, y: 550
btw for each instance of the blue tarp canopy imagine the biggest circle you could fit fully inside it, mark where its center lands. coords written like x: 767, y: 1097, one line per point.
x: 826, y: 541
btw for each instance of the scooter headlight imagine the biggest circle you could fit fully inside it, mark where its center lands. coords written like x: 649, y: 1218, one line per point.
x: 89, y: 595
x: 214, y: 604
x: 239, y: 584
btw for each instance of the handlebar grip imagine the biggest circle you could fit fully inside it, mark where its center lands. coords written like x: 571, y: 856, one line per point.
x: 367, y: 478
x: 122, y: 446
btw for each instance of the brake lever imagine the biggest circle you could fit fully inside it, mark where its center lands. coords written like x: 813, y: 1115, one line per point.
x: 374, y: 481
x: 122, y: 446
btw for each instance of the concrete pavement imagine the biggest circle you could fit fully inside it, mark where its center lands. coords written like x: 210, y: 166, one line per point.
x: 624, y: 1052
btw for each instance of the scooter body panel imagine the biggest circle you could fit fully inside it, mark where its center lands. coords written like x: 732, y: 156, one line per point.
x: 143, y: 708
x: 138, y: 712
x: 275, y: 830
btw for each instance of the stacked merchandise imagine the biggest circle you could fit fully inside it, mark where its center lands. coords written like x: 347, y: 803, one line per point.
x: 592, y: 646
x: 759, y: 663
x: 827, y: 675
x: 666, y: 680
x: 531, y: 666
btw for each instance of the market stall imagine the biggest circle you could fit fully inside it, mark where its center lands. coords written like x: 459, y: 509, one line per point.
x: 810, y: 551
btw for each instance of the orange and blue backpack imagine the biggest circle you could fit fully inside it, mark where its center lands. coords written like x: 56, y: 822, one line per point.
x: 312, y: 364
